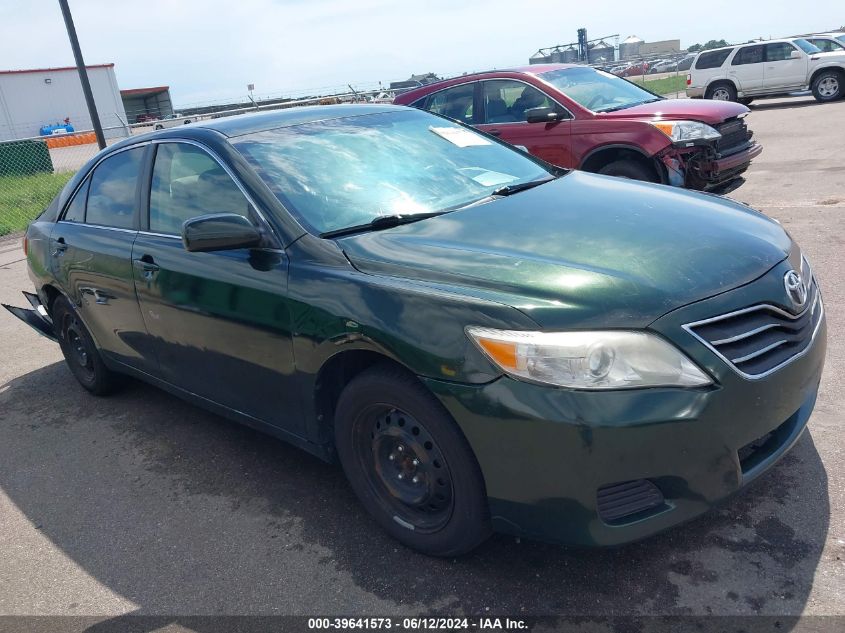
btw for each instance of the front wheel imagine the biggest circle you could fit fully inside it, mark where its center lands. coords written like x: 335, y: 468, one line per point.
x: 827, y: 86
x: 633, y: 169
x: 80, y: 352
x: 409, y: 463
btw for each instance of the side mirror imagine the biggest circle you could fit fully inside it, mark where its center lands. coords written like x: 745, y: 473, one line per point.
x: 795, y: 55
x: 542, y: 115
x: 219, y: 232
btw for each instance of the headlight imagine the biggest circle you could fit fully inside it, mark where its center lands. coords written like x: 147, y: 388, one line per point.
x: 680, y: 131
x: 610, y: 359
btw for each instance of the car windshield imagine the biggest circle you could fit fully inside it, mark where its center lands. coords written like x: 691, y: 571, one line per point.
x: 805, y: 46
x: 346, y: 172
x: 841, y: 38
x: 597, y: 90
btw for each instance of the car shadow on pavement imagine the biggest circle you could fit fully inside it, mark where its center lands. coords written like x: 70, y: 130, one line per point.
x: 785, y: 104
x: 182, y: 512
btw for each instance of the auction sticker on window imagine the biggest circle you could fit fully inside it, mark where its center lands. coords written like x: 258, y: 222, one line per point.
x: 459, y: 136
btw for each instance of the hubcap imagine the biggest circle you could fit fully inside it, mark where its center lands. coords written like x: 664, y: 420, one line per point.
x: 828, y: 86
x: 720, y: 94
x: 408, y: 471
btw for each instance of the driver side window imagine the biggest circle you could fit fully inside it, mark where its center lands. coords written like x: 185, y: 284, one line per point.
x: 506, y: 101
x: 188, y: 183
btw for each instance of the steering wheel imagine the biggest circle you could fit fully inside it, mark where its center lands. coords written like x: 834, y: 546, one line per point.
x: 595, y: 101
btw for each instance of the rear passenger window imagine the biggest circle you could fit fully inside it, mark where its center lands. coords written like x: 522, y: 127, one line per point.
x: 748, y: 55
x: 455, y: 103
x: 187, y: 183
x: 76, y: 209
x: 111, y: 195
x: 712, y: 59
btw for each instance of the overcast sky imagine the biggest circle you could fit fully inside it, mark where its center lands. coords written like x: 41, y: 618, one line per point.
x: 207, y: 50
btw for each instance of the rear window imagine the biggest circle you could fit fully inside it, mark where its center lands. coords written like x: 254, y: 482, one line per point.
x: 712, y: 59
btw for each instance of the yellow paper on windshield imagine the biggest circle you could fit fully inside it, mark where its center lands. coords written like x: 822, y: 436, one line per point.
x: 459, y: 136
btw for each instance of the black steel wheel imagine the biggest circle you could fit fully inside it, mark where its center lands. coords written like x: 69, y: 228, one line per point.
x: 409, y: 464
x: 80, y: 352
x: 405, y: 467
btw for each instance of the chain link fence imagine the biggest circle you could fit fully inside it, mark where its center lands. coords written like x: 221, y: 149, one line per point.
x: 34, y: 170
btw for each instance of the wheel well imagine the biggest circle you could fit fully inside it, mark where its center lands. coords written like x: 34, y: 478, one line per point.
x: 334, y: 375
x: 719, y: 82
x: 52, y: 293
x: 604, y: 157
x: 835, y: 69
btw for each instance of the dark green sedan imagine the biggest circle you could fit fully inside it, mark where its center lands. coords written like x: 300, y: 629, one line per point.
x: 484, y: 342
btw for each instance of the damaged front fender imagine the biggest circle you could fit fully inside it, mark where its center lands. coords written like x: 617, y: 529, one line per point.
x: 37, y: 318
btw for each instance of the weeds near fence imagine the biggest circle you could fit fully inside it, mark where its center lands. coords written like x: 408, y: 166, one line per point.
x: 23, y: 198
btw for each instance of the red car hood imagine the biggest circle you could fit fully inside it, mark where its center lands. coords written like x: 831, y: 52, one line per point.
x: 704, y: 110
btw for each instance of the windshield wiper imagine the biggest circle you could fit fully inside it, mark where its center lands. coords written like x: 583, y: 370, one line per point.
x: 381, y: 222
x: 630, y: 105
x: 508, y: 190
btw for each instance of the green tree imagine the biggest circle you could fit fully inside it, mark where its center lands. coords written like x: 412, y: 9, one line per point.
x: 706, y: 47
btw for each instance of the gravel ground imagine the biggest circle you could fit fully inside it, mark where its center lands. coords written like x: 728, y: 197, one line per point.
x: 140, y: 503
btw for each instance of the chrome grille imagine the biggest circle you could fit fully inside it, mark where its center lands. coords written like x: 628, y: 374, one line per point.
x: 761, y: 339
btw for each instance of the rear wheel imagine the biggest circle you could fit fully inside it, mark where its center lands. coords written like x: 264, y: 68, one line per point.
x: 628, y: 168
x: 721, y: 92
x: 80, y: 352
x: 409, y: 464
x: 827, y: 86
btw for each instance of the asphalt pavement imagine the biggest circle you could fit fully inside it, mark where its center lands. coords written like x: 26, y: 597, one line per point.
x: 142, y: 504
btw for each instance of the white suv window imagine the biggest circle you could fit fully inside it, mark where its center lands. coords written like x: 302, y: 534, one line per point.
x: 779, y: 51
x: 748, y: 55
x: 712, y: 59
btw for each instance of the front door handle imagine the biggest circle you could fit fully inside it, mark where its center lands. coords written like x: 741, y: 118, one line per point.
x: 147, y: 266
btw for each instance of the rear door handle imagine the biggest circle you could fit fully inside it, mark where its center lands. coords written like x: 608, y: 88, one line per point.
x: 494, y: 132
x: 59, y: 247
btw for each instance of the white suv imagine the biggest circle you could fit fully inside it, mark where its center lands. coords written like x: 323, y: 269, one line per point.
x: 771, y: 68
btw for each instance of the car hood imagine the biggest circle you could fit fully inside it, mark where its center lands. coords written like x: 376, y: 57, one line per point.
x: 584, y: 250
x: 704, y: 110
x: 830, y: 56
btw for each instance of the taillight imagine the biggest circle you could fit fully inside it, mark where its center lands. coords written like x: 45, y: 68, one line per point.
x: 689, y: 79
x: 25, y: 246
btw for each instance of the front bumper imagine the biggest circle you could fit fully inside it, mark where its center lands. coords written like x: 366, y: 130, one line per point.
x: 545, y: 453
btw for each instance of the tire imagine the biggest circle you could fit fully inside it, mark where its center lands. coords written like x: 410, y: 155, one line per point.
x: 409, y: 463
x: 746, y: 100
x: 721, y: 91
x: 828, y: 86
x: 80, y: 352
x: 627, y: 168
x: 159, y: 127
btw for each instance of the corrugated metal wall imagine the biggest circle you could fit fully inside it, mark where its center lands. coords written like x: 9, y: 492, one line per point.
x: 28, y: 101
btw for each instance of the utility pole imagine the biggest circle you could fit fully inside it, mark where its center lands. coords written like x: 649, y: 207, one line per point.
x: 83, y: 74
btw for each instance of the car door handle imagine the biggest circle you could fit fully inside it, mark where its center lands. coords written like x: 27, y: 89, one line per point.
x: 147, y: 266
x: 59, y: 247
x: 494, y: 132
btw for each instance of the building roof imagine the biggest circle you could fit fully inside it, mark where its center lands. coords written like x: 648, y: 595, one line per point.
x: 52, y: 70
x: 144, y: 92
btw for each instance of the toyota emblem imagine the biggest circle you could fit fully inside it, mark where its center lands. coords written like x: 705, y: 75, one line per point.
x: 795, y: 288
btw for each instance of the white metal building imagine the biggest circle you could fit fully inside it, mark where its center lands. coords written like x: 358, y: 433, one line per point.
x: 30, y: 99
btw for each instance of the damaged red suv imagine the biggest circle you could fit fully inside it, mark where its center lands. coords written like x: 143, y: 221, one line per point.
x: 577, y: 116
